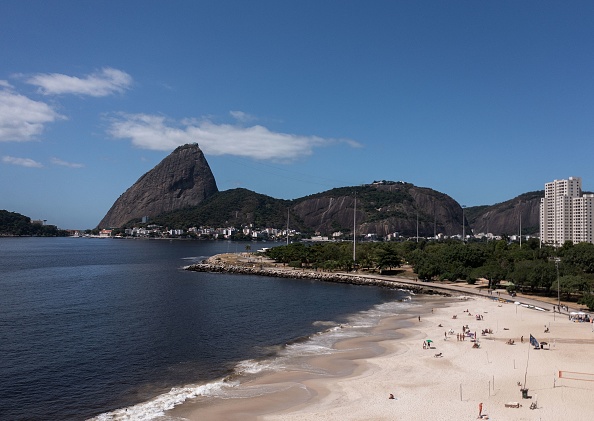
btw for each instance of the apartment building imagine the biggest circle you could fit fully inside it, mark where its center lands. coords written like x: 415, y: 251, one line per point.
x: 565, y: 213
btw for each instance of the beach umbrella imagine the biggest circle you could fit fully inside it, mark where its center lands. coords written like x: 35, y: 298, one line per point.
x: 428, y: 341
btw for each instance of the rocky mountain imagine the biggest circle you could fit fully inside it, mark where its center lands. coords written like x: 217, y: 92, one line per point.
x: 183, y: 179
x: 507, y: 217
x: 235, y: 207
x: 382, y: 208
x: 181, y: 192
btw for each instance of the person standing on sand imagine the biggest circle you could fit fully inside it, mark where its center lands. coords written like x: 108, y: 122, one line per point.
x: 419, y: 318
x: 480, y: 410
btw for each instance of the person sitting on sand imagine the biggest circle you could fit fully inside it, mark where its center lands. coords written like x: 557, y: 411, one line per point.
x: 391, y: 396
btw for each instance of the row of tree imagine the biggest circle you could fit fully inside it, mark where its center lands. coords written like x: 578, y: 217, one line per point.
x: 530, y: 268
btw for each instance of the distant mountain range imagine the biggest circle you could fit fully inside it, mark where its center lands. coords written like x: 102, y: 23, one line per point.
x: 181, y: 192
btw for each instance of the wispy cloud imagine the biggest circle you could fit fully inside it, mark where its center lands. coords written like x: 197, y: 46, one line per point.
x: 157, y: 133
x: 21, y: 118
x: 242, y: 117
x: 105, y: 82
x: 58, y: 161
x: 23, y: 162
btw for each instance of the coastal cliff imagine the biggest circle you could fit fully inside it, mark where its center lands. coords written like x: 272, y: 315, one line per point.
x: 183, y: 179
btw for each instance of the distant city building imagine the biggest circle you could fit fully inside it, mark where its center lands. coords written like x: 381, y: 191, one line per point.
x: 565, y: 213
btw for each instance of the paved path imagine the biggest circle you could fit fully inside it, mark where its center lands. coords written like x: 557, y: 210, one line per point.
x: 469, y: 290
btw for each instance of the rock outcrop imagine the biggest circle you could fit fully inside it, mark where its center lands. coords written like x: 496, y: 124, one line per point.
x: 382, y: 208
x: 183, y: 179
x: 507, y: 217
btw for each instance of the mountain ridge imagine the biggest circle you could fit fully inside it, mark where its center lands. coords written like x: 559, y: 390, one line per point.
x: 181, y: 191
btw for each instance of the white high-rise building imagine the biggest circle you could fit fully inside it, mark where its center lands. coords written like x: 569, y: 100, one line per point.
x: 566, y: 214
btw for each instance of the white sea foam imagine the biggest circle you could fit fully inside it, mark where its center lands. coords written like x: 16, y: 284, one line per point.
x: 254, y: 367
x: 194, y: 258
x: 157, y: 406
x: 289, y: 357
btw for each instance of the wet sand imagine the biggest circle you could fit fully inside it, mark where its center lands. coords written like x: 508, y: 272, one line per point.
x: 355, y: 382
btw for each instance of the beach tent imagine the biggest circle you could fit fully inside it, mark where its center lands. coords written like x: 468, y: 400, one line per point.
x: 579, y: 315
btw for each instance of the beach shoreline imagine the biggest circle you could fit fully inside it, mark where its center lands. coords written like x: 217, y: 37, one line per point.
x: 289, y: 390
x: 446, y: 380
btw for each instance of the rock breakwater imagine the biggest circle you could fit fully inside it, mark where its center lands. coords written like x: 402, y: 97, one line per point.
x: 344, y: 278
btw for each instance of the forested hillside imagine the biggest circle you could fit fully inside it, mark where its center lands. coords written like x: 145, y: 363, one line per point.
x: 15, y: 224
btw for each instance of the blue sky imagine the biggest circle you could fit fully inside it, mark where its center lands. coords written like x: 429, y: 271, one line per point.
x: 479, y: 100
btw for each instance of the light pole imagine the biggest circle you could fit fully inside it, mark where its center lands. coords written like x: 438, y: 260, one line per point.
x: 557, y: 259
x: 417, y: 225
x: 520, y: 219
x: 463, y: 225
x: 355, y: 231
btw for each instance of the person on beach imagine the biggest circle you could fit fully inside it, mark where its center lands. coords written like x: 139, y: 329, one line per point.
x: 391, y: 396
x: 419, y: 318
x: 480, y: 410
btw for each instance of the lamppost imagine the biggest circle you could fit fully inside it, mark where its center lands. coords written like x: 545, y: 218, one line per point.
x: 520, y: 220
x: 463, y: 225
x: 557, y: 259
x: 355, y: 232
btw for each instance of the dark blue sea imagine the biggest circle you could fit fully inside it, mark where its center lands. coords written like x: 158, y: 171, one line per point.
x: 91, y: 326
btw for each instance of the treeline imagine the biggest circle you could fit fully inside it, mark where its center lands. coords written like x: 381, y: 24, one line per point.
x: 15, y: 224
x: 529, y: 268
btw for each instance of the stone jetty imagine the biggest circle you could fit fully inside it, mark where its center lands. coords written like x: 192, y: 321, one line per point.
x: 345, y: 278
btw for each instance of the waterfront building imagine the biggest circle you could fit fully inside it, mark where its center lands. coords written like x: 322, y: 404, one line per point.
x: 565, y: 213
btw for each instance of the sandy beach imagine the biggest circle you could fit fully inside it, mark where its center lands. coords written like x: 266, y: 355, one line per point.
x: 446, y: 381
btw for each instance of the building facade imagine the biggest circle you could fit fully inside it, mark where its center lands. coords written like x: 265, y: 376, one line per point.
x: 566, y: 214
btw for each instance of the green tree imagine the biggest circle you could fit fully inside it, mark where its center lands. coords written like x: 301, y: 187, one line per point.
x: 387, y: 257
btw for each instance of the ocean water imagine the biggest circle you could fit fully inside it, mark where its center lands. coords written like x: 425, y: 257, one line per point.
x: 90, y: 328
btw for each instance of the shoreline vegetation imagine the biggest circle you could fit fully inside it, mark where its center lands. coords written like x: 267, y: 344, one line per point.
x: 250, y: 263
x: 479, y: 356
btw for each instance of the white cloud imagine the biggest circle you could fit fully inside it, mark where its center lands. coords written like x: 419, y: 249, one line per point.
x: 241, y: 116
x: 105, y: 82
x: 58, y: 161
x: 5, y: 84
x: 155, y: 132
x: 21, y: 118
x: 23, y: 162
